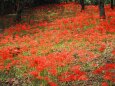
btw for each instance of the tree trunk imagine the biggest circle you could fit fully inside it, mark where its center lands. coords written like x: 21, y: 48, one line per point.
x: 76, y: 0
x: 101, y: 9
x: 20, y: 7
x: 112, y: 5
x: 82, y: 5
x: 2, y: 7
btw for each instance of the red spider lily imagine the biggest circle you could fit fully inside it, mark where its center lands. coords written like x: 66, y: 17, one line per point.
x: 33, y: 51
x: 109, y: 66
x: 53, y: 71
x: 34, y: 73
x: 99, y: 70
x: 113, y: 52
x: 40, y: 68
x: 105, y: 68
x: 107, y: 76
x: 72, y: 77
x: 74, y: 68
x: 104, y: 84
x: 79, y: 72
x: 83, y: 77
x: 5, y: 54
x: 1, y: 67
x: 52, y: 84
x: 67, y: 77
x: 8, y: 66
x: 102, y: 48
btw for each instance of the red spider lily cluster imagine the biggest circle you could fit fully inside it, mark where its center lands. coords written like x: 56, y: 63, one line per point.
x: 65, y: 50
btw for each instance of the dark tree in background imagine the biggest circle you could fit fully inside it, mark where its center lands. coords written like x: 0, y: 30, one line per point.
x: 82, y: 5
x: 2, y: 7
x: 112, y: 4
x: 19, y: 6
x: 19, y: 9
x: 101, y: 9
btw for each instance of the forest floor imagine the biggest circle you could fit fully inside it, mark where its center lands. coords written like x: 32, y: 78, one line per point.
x: 58, y: 45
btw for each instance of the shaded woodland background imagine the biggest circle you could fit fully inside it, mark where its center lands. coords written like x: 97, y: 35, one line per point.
x: 15, y: 8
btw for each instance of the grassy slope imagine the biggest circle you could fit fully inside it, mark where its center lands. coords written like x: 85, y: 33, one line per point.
x: 57, y: 40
